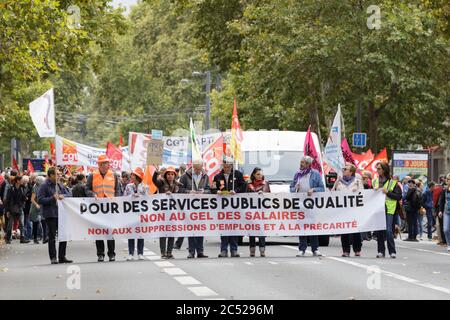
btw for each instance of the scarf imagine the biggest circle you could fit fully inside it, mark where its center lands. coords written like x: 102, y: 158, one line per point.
x: 301, y: 173
x: 347, y: 180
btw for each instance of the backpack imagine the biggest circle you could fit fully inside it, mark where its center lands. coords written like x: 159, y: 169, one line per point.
x: 418, y: 199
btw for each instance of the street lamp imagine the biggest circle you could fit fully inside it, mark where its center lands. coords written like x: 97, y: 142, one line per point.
x: 206, y: 74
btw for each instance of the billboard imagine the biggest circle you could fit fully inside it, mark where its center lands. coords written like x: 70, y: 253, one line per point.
x: 415, y: 164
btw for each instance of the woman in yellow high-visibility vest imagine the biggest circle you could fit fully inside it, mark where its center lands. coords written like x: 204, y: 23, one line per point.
x: 393, y: 193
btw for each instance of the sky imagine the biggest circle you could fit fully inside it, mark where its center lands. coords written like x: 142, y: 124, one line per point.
x: 124, y: 3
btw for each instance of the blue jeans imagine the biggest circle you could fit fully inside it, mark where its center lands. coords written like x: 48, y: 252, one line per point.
x: 140, y: 246
x: 430, y: 223
x: 447, y: 227
x: 420, y: 224
x: 386, y: 235
x: 231, y: 240
x: 303, y: 243
x: 196, y: 244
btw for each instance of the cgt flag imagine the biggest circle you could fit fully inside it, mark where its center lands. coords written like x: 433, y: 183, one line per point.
x: 309, y: 149
x: 236, y: 136
x: 381, y: 157
x: 42, y: 112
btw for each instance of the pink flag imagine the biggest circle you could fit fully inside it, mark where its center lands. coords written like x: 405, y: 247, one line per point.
x: 346, y: 152
x: 310, y: 150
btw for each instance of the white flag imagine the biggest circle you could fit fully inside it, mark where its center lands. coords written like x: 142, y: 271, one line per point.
x: 333, y: 152
x: 42, y: 112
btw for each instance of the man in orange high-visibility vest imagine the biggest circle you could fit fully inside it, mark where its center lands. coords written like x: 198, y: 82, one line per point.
x: 103, y: 183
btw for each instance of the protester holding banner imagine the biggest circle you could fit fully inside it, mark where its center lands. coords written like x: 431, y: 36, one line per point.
x: 80, y: 189
x: 195, y: 181
x: 228, y: 181
x: 393, y: 194
x: 350, y: 182
x: 307, y: 180
x: 48, y: 195
x: 260, y: 185
x: 168, y: 184
x: 134, y: 189
x: 103, y: 183
x: 35, y: 213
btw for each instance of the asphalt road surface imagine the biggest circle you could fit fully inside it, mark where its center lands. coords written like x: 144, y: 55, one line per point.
x: 421, y: 271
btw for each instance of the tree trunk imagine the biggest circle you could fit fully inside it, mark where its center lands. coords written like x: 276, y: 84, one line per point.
x: 373, y: 127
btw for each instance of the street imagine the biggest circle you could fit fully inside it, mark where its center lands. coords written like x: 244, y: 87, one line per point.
x: 421, y: 271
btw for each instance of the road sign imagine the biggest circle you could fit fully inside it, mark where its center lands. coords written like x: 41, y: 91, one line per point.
x: 359, y: 139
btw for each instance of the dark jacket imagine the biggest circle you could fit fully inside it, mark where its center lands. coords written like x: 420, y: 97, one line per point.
x: 186, y: 183
x: 27, y: 191
x: 15, y: 200
x: 411, y: 198
x: 164, y: 186
x: 80, y: 191
x: 442, y: 200
x: 220, y: 183
x: 45, y: 197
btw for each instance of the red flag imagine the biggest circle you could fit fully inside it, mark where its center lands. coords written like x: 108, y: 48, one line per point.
x: 381, y: 157
x: 236, y: 136
x: 30, y: 167
x: 309, y: 149
x: 46, y: 163
x: 148, y: 179
x: 115, y: 154
x: 347, y: 152
x: 53, y: 152
x: 15, y: 166
x: 363, y: 160
x: 212, y: 157
x: 121, y: 141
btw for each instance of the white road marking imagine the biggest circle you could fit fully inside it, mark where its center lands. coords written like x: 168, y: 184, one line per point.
x: 162, y: 264
x: 249, y: 263
x: 394, y: 275
x: 202, y: 291
x: 153, y: 258
x: 273, y: 262
x: 174, y: 271
x: 423, y: 250
x: 187, y: 280
x: 387, y: 273
x: 149, y: 253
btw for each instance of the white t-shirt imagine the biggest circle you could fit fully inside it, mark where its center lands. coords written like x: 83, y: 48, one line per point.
x: 303, y: 183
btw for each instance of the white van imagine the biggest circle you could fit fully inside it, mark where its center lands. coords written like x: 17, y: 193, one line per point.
x: 278, y: 153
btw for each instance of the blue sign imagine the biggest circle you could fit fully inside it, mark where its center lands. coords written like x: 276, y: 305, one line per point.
x: 359, y: 140
x: 157, y: 134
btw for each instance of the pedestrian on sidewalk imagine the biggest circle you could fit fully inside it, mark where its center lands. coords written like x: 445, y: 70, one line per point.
x: 444, y: 210
x: 36, y: 213
x: 413, y: 204
x: 259, y: 185
x: 48, y: 194
x: 135, y: 189
x: 349, y: 182
x: 307, y: 180
x: 393, y: 194
x: 15, y: 203
x: 195, y: 181
x: 166, y: 183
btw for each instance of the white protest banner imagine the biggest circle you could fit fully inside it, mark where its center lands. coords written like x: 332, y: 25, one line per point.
x: 76, y: 154
x: 270, y: 214
x: 42, y: 112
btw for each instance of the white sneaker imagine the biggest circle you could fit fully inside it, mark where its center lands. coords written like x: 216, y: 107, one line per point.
x: 140, y: 257
x: 301, y: 254
x: 393, y: 255
x: 317, y: 253
x: 448, y: 248
x: 380, y: 255
x: 130, y: 258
